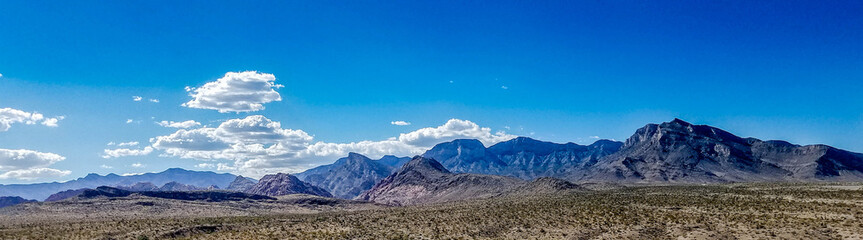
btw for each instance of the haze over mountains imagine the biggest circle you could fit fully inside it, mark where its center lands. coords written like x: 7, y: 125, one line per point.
x: 40, y: 191
x: 670, y: 152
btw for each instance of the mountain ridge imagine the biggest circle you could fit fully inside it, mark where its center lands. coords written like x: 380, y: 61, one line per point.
x: 41, y: 191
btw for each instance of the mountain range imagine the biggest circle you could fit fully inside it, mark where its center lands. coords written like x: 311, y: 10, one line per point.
x: 669, y: 152
x: 351, y: 175
x: 41, y: 191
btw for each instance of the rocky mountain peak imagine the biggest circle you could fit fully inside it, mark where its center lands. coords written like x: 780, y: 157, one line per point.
x: 241, y: 184
x: 284, y: 184
x: 422, y: 164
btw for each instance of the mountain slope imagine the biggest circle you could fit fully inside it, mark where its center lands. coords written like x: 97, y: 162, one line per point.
x: 43, y: 190
x: 424, y: 180
x: 65, y: 195
x: 284, y: 184
x: 351, y: 175
x: 175, y: 186
x: 521, y: 157
x: 241, y: 184
x: 678, y: 151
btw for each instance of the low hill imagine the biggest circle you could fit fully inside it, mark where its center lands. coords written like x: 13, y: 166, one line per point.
x: 285, y: 184
x: 424, y: 180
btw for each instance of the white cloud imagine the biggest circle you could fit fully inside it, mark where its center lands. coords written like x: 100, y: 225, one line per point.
x: 129, y: 120
x: 205, y: 165
x: 451, y: 130
x: 184, y: 124
x: 1, y: 75
x: 137, y: 98
x: 400, y: 123
x: 9, y: 116
x: 131, y: 174
x: 153, y: 100
x: 127, y: 144
x: 106, y: 166
x: 236, y: 92
x: 26, y: 164
x: 136, y: 165
x: 34, y: 173
x: 257, y: 145
x: 11, y: 159
x: 504, y: 87
x: 125, y: 152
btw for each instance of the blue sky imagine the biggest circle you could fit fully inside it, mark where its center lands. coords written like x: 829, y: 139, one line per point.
x: 557, y: 71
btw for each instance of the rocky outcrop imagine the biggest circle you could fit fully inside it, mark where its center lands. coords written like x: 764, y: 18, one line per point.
x: 141, y: 186
x: 175, y: 186
x: 241, y: 184
x: 65, y: 195
x: 424, y: 180
x: 284, y: 184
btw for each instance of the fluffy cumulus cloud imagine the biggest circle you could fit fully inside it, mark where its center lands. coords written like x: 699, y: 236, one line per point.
x: 236, y: 92
x: 451, y: 130
x: 9, y: 116
x: 28, y: 164
x: 256, y: 145
x: 183, y: 124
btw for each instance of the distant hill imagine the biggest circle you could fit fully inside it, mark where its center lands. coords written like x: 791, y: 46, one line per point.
x: 241, y: 184
x: 210, y: 196
x: 681, y: 152
x: 284, y: 184
x: 12, y: 201
x: 424, y: 180
x: 43, y: 190
x: 349, y: 176
x: 175, y: 186
x: 65, y: 195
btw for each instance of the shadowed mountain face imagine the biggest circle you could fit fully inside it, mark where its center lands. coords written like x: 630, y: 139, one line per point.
x: 12, y: 201
x: 65, y: 195
x: 212, y: 196
x: 424, y: 180
x: 351, y: 175
x: 520, y: 157
x: 43, y: 190
x: 284, y: 184
x: 678, y: 151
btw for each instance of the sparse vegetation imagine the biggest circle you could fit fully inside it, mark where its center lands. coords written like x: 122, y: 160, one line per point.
x: 809, y: 211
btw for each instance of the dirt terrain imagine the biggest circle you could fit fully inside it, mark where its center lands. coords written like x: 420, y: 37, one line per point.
x: 729, y: 211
